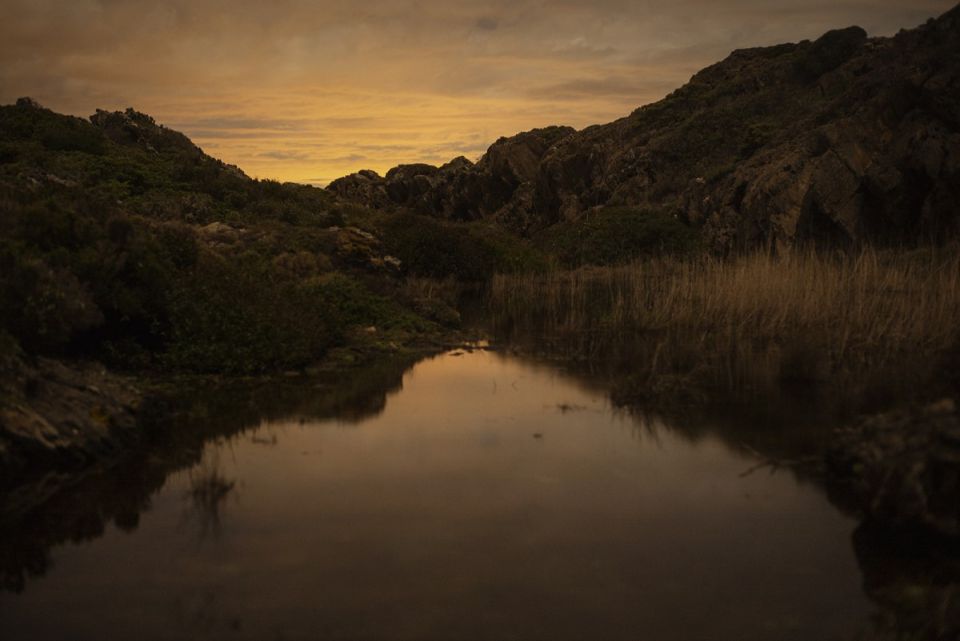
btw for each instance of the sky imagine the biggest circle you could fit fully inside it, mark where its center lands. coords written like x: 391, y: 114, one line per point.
x: 309, y: 91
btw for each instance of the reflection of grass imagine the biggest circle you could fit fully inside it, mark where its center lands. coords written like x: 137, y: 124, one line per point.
x: 209, y: 489
x: 799, y: 317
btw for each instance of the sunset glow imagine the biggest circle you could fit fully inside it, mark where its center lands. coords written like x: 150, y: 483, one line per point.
x: 309, y: 91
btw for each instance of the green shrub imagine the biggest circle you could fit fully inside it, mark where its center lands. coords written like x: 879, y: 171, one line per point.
x: 430, y: 247
x: 63, y: 134
x: 472, y: 252
x: 349, y: 303
x: 232, y: 317
x: 616, y: 235
x: 43, y: 308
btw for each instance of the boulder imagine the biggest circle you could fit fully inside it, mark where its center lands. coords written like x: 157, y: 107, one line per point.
x: 358, y: 248
x: 365, y: 188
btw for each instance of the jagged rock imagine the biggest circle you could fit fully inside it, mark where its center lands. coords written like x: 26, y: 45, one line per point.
x: 903, y: 468
x: 132, y: 127
x: 365, y: 187
x: 460, y: 190
x: 28, y: 103
x: 840, y: 141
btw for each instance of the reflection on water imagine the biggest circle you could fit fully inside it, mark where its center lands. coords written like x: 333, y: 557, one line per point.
x: 208, y: 493
x: 487, y: 498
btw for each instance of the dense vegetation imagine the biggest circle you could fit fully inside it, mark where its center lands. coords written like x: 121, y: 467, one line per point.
x: 120, y: 239
x: 678, y: 324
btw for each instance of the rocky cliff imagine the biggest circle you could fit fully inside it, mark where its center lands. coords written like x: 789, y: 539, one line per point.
x: 843, y: 140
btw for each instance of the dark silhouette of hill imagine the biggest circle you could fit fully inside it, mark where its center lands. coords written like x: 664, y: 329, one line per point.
x: 843, y: 140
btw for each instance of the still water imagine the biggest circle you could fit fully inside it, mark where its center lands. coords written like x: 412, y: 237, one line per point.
x: 491, y: 498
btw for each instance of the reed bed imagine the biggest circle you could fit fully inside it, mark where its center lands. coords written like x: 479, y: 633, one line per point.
x: 872, y: 307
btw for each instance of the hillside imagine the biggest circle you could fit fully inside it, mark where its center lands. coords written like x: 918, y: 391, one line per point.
x: 122, y: 240
x: 843, y: 140
x: 123, y: 244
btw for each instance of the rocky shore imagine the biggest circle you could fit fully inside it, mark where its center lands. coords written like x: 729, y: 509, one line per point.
x: 901, y: 469
x: 60, y: 414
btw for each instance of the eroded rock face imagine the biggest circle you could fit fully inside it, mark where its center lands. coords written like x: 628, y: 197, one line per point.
x: 365, y: 187
x: 839, y: 141
x: 902, y: 469
x: 499, y: 185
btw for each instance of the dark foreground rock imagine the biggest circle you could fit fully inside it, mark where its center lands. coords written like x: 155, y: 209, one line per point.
x: 53, y: 412
x: 902, y: 469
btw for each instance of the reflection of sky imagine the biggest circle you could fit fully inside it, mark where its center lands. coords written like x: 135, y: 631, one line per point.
x: 445, y: 518
x: 309, y: 91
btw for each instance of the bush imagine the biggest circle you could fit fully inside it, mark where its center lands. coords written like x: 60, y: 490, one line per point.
x: 433, y: 248
x: 234, y: 317
x: 617, y: 235
x: 349, y: 303
x: 71, y: 135
x: 472, y: 252
x: 41, y: 307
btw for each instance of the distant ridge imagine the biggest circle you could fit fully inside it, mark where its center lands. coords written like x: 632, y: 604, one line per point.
x: 840, y: 141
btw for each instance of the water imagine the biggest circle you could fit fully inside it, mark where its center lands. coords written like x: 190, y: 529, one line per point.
x: 491, y: 498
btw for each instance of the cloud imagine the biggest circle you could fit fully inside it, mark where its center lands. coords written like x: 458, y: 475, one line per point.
x: 486, y: 23
x: 296, y: 89
x: 286, y: 155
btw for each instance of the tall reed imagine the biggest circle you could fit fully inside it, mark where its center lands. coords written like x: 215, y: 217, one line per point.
x: 870, y: 307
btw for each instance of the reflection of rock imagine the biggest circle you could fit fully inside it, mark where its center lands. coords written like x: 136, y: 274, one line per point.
x: 915, y: 586
x: 39, y: 514
x: 903, y: 468
x: 57, y: 508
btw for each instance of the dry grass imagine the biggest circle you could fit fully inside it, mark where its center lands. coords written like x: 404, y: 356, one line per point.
x: 845, y: 309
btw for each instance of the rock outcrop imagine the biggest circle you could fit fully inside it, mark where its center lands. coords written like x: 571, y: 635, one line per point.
x: 363, y: 250
x: 50, y: 411
x: 839, y: 141
x: 500, y: 185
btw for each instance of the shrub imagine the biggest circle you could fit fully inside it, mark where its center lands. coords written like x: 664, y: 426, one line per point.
x: 433, y: 248
x: 617, y: 235
x: 63, y: 134
x: 234, y: 317
x: 41, y: 307
x: 472, y: 252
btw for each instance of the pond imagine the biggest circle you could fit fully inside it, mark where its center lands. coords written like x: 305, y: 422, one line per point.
x: 489, y: 497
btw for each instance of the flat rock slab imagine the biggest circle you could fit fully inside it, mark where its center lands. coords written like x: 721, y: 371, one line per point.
x: 51, y: 410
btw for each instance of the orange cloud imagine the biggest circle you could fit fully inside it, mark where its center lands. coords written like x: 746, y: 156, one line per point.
x: 308, y: 91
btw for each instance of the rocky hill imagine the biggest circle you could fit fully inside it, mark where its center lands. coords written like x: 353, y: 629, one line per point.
x: 121, y: 240
x: 843, y: 140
